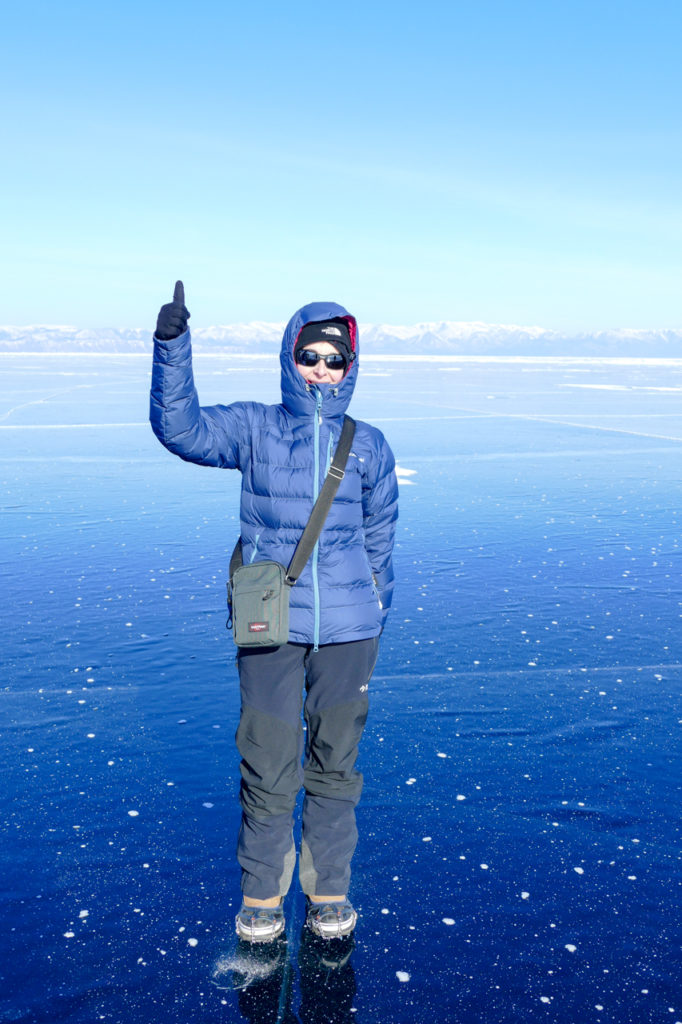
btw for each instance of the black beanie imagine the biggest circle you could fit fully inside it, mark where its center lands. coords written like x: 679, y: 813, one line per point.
x: 334, y: 331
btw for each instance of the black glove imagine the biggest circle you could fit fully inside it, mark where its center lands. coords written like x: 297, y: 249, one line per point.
x: 173, y: 317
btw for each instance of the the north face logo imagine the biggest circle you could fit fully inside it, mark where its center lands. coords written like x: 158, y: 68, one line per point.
x: 331, y: 330
x: 258, y: 627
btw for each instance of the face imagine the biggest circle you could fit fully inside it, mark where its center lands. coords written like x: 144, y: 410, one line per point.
x: 320, y: 372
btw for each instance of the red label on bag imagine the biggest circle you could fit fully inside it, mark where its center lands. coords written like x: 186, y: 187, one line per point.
x: 258, y: 627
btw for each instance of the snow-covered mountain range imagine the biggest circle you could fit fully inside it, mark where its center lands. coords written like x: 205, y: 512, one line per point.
x: 437, y: 338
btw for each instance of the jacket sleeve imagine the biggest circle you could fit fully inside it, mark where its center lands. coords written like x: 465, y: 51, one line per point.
x: 208, y: 435
x: 380, y: 514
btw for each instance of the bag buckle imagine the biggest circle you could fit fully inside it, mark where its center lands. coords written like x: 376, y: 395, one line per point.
x: 338, y: 474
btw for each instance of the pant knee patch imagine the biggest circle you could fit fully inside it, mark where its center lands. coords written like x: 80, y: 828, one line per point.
x: 270, y: 767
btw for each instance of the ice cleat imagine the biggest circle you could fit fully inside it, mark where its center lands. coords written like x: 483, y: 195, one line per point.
x: 331, y: 920
x: 259, y: 924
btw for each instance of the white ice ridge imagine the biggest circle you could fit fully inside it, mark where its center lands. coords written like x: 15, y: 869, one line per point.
x: 619, y: 387
x: 403, y: 475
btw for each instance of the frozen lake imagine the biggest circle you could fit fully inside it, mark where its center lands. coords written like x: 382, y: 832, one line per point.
x: 519, y: 856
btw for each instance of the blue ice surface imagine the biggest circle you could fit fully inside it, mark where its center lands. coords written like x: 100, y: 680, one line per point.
x: 519, y: 855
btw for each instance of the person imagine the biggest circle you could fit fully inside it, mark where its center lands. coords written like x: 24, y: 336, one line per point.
x: 338, y: 606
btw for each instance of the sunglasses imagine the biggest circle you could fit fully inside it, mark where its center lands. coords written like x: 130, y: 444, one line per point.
x: 334, y: 361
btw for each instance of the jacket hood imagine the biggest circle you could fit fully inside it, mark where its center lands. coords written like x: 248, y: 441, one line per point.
x: 299, y: 397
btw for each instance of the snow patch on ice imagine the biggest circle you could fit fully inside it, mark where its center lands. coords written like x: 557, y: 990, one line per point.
x: 403, y: 475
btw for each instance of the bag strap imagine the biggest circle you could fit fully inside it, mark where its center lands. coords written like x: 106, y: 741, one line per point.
x: 313, y: 528
x: 236, y: 560
x: 321, y: 508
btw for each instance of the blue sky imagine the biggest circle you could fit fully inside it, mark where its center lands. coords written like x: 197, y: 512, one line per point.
x: 514, y: 162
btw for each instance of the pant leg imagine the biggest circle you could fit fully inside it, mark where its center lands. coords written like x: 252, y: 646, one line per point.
x: 337, y: 681
x: 270, y: 741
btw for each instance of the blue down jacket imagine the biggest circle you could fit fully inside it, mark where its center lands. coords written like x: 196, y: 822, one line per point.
x: 283, y: 452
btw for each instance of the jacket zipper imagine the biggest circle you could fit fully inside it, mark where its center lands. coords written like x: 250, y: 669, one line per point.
x: 316, y: 491
x: 329, y: 452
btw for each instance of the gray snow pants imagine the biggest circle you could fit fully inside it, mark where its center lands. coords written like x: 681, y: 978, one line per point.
x: 276, y: 763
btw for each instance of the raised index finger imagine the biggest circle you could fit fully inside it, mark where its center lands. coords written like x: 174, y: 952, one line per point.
x: 179, y: 294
